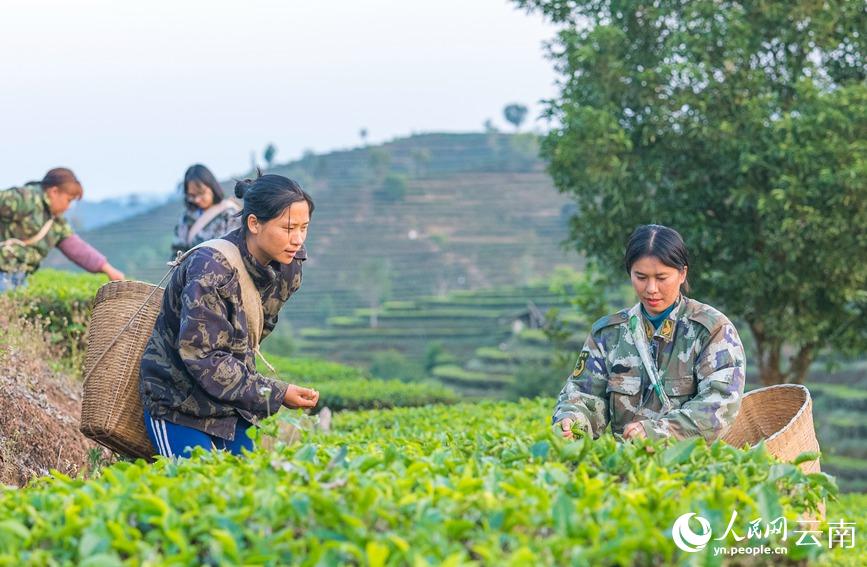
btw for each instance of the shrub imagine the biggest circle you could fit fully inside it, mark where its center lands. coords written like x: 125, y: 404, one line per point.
x: 487, y: 483
x: 314, y: 370
x: 393, y: 188
x: 392, y: 365
x: 344, y: 387
x: 62, y: 300
x: 380, y: 394
x: 533, y: 380
x: 454, y: 374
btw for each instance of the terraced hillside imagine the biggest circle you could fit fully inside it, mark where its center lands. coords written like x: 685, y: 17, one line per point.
x: 460, y: 321
x: 470, y: 211
x: 839, y: 410
x: 481, y: 336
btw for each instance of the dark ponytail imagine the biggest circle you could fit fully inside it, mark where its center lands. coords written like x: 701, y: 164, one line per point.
x: 663, y: 243
x: 268, y: 196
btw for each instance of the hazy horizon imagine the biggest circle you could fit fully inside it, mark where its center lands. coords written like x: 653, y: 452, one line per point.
x: 129, y: 95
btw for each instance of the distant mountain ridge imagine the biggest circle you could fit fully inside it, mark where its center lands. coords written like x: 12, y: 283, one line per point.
x: 469, y: 211
x: 88, y: 215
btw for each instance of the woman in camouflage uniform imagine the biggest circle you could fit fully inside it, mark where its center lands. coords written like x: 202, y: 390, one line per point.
x: 32, y: 223
x: 208, y: 213
x: 199, y: 384
x: 668, y: 367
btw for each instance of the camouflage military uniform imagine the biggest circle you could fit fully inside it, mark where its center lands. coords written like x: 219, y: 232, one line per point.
x: 199, y: 368
x: 23, y: 212
x: 700, y: 360
x: 223, y: 223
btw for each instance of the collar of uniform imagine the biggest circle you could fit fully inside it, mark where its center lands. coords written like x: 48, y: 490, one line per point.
x: 262, y: 275
x: 665, y: 332
x: 669, y: 324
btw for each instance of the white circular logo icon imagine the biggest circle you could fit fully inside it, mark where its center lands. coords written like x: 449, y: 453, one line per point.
x: 685, y: 538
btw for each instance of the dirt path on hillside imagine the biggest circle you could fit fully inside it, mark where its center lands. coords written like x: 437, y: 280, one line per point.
x: 39, y: 420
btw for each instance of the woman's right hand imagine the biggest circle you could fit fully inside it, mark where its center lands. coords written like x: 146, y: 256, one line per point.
x: 298, y: 397
x: 566, y: 428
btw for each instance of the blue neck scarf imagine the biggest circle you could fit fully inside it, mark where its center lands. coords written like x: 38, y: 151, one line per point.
x: 656, y: 320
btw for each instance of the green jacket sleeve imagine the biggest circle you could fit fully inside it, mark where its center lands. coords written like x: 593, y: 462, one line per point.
x: 583, y: 398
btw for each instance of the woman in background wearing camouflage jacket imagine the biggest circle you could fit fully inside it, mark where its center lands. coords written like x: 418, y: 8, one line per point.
x: 207, y: 213
x: 199, y: 384
x: 32, y: 223
x: 668, y: 367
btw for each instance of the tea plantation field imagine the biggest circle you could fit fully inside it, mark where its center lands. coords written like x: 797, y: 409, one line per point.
x: 468, y: 484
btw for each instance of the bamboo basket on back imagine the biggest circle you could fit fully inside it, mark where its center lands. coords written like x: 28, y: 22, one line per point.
x: 111, y: 411
x: 782, y: 416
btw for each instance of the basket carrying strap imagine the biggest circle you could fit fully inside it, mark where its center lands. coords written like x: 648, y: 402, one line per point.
x: 33, y: 239
x: 209, y: 215
x: 250, y: 298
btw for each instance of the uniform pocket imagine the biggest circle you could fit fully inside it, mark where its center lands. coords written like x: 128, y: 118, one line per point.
x: 628, y: 385
x: 624, y: 392
x: 679, y: 386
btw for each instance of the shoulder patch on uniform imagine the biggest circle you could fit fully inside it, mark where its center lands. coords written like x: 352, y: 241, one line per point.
x: 581, y: 364
x: 609, y: 321
x: 705, y: 315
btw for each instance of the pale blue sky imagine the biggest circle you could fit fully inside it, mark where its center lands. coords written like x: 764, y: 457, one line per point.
x: 129, y: 94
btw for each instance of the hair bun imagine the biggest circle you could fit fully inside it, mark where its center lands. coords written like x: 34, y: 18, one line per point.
x: 242, y: 186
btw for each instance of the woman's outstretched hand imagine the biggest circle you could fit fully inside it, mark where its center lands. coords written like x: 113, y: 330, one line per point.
x: 113, y: 273
x: 634, y: 430
x: 566, y: 428
x: 298, y: 397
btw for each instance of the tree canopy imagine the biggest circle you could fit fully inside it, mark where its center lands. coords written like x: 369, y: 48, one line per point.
x: 515, y: 114
x: 269, y: 154
x: 744, y: 126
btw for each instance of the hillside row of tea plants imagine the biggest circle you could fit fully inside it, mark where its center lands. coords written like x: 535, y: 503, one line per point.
x: 459, y: 323
x: 62, y: 301
x: 486, y: 483
x: 343, y: 387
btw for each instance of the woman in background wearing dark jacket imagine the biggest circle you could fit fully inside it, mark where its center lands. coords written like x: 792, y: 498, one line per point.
x: 199, y: 384
x: 208, y: 213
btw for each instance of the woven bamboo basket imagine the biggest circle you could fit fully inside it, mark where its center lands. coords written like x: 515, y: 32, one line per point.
x: 124, y: 314
x: 782, y: 416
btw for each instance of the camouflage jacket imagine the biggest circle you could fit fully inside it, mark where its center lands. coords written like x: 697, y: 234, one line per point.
x: 23, y: 212
x: 223, y: 223
x: 700, y: 360
x: 199, y: 367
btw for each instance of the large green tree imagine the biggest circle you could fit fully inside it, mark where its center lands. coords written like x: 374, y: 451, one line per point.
x: 744, y: 126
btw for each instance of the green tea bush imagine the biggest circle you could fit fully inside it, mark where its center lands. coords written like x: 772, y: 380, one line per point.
x: 454, y: 374
x: 376, y: 394
x: 343, y: 387
x: 442, y: 485
x: 62, y: 300
x: 533, y: 380
x: 394, y: 365
x: 313, y: 370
